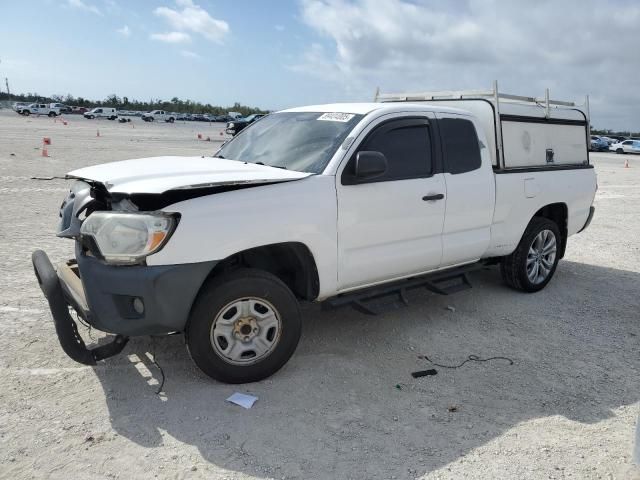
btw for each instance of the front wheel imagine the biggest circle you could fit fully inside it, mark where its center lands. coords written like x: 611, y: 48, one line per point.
x: 619, y: 151
x: 244, y: 326
x: 532, y: 265
x: 52, y: 114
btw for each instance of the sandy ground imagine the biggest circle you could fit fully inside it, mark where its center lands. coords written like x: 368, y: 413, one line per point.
x: 345, y: 406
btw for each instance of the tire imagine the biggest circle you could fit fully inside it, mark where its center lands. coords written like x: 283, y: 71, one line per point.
x: 171, y: 120
x: 619, y: 151
x: 51, y: 114
x: 218, y: 318
x: 26, y: 113
x: 529, y: 253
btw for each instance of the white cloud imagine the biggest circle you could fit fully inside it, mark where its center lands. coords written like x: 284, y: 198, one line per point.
x: 171, y: 37
x: 81, y: 5
x: 193, y: 18
x: 124, y: 31
x: 189, y: 53
x: 421, y: 45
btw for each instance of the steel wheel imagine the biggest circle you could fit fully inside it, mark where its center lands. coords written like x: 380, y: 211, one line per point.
x: 245, y: 331
x: 541, y: 256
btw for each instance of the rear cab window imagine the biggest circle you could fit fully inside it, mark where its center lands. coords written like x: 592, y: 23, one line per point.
x: 460, y: 144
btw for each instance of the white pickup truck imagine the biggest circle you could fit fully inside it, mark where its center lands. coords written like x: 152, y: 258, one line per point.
x: 49, y: 109
x: 158, y: 116
x: 334, y: 203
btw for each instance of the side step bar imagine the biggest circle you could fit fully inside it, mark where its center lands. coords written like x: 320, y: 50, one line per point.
x: 443, y: 283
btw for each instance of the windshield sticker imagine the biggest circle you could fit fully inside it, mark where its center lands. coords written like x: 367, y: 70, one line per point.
x: 336, y: 117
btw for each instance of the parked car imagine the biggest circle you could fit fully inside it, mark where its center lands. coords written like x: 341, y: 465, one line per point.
x: 61, y: 108
x: 79, y: 110
x: 618, y: 138
x: 39, y: 109
x: 598, y: 144
x: 158, y: 116
x: 19, y: 106
x: 627, y: 146
x: 102, y: 112
x: 335, y: 204
x: 236, y: 126
x: 221, y: 118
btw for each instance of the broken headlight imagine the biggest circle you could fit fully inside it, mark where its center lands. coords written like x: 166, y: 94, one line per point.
x: 127, y: 238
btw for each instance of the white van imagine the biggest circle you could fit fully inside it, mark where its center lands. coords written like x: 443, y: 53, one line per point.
x: 102, y: 112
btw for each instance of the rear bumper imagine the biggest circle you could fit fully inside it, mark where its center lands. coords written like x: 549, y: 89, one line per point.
x: 592, y: 211
x: 109, y: 297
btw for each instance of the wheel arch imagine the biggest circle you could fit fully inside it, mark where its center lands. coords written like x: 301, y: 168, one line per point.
x: 559, y: 214
x: 291, y: 262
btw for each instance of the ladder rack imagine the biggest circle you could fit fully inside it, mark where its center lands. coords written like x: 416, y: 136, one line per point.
x: 493, y: 94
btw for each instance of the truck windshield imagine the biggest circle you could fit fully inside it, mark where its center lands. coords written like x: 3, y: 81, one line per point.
x: 301, y: 141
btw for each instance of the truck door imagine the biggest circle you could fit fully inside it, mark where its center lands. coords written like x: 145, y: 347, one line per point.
x: 391, y: 226
x: 470, y: 202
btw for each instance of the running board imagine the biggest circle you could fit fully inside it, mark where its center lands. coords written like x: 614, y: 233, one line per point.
x: 368, y: 301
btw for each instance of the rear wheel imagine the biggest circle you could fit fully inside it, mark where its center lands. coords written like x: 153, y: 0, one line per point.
x: 244, y: 326
x: 171, y: 120
x: 532, y: 265
x: 26, y: 113
x: 52, y: 114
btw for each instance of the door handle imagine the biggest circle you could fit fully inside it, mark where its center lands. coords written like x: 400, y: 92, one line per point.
x: 435, y: 196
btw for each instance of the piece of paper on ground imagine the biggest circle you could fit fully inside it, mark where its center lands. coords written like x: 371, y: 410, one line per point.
x: 245, y: 401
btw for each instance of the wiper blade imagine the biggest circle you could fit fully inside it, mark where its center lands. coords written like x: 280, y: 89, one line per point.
x: 219, y: 156
x: 274, y: 166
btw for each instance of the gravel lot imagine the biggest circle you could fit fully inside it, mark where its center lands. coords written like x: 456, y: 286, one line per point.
x: 345, y: 406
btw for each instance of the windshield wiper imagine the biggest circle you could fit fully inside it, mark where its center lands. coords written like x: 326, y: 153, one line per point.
x: 274, y: 166
x: 219, y: 156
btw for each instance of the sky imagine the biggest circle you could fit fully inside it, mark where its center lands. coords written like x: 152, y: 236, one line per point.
x: 285, y: 53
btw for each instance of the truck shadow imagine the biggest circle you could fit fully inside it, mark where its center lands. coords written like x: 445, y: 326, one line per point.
x: 346, y: 405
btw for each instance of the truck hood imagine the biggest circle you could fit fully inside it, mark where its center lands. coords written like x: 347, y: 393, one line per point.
x: 161, y: 174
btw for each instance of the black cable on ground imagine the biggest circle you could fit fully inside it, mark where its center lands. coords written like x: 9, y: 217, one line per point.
x: 470, y: 358
x: 155, y: 362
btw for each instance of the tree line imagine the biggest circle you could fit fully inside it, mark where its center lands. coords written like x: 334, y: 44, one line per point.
x: 124, y: 103
x: 605, y: 132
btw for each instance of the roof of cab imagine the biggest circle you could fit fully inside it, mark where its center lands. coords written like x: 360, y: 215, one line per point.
x: 365, y: 108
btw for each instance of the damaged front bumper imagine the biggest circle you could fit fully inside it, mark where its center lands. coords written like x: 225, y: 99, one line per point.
x: 123, y: 300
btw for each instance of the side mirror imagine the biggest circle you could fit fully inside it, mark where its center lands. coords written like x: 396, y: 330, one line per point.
x: 370, y: 165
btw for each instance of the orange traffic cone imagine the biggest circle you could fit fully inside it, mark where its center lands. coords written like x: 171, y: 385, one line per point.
x: 626, y: 163
x: 97, y: 133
